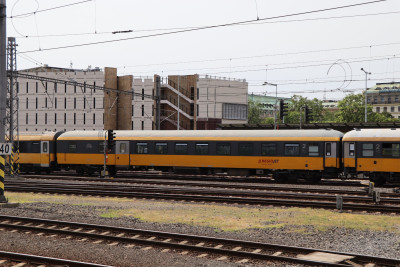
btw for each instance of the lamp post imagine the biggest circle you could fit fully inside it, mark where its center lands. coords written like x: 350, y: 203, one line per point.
x: 366, y: 88
x: 276, y: 100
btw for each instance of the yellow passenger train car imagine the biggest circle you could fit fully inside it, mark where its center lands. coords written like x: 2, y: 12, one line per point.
x: 37, y: 151
x: 308, y: 154
x: 374, y: 153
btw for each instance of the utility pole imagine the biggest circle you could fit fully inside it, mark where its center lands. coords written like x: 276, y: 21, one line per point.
x: 366, y: 88
x: 179, y: 78
x: 3, y: 91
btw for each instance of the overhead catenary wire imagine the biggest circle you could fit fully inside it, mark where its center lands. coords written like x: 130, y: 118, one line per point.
x: 206, y: 27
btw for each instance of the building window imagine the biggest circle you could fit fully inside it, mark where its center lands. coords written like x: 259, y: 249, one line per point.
x: 45, y: 118
x: 142, y: 110
x: 94, y: 118
x: 84, y: 103
x: 378, y: 109
x: 234, y: 111
x: 375, y: 100
x: 74, y: 88
x: 84, y: 118
x: 396, y: 99
x: 94, y: 102
x: 27, y: 86
x: 37, y: 103
x: 74, y: 118
x: 384, y: 109
x: 94, y: 87
x: 382, y: 99
x: 27, y: 118
x: 65, y: 87
x: 391, y: 109
x: 74, y: 102
x: 55, y: 102
x: 27, y: 101
x: 389, y: 100
x: 142, y: 93
x: 55, y: 87
x: 142, y: 125
x: 36, y: 119
x: 84, y: 87
x: 65, y: 118
x: 45, y: 102
x: 45, y: 87
x: 55, y: 118
x: 65, y: 103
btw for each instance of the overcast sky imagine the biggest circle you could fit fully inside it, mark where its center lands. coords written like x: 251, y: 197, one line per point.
x: 317, y: 54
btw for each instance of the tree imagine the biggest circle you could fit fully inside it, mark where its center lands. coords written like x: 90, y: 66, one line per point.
x: 352, y: 109
x: 298, y: 104
x: 255, y: 112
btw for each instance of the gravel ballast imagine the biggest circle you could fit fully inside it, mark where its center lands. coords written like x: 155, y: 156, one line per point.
x: 375, y: 243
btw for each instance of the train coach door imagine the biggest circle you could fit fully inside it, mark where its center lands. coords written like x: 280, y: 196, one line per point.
x: 330, y: 155
x: 44, y: 154
x: 122, y: 153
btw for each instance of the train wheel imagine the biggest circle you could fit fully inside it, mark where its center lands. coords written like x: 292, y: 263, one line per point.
x: 377, y: 180
x: 313, y: 178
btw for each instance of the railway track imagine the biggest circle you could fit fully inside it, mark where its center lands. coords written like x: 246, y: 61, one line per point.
x: 240, y: 186
x: 387, y: 204
x: 199, y: 246
x: 19, y: 259
x: 149, y: 175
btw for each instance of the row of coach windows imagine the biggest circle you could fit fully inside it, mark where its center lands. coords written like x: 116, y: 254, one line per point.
x: 244, y: 149
x: 388, y: 150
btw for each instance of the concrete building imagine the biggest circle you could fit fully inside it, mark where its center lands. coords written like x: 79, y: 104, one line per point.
x: 385, y: 97
x: 268, y: 103
x: 204, y: 102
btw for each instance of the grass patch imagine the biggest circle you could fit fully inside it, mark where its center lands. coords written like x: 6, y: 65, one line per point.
x: 221, y: 218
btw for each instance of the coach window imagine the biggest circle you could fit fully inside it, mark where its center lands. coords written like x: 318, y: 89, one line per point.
x: 268, y: 149
x: 88, y: 147
x: 223, y: 149
x: 351, y: 149
x: 313, y: 150
x: 101, y: 146
x: 245, y: 149
x: 141, y: 148
x: 292, y: 149
x: 181, y: 148
x: 328, y: 149
x: 71, y: 147
x: 161, y: 148
x: 201, y: 149
x: 368, y: 150
x: 391, y: 150
x: 45, y: 147
x: 122, y: 148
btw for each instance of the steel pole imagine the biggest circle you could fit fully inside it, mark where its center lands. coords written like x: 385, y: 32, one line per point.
x: 3, y: 70
x: 366, y: 88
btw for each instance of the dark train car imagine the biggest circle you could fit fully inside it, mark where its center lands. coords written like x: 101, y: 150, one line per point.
x: 308, y: 154
x: 374, y: 153
x: 37, y: 151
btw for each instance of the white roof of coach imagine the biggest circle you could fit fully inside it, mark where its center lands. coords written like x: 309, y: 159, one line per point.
x: 372, y: 133
x: 209, y: 133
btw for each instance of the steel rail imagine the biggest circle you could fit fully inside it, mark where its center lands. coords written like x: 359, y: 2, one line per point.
x: 244, y: 249
x: 319, y: 201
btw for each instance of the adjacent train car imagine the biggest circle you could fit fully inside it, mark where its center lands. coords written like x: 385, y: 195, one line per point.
x: 374, y: 153
x: 84, y: 152
x: 37, y: 151
x: 308, y: 154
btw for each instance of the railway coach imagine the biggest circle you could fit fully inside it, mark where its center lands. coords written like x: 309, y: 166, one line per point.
x: 374, y: 153
x: 308, y: 154
x: 37, y: 151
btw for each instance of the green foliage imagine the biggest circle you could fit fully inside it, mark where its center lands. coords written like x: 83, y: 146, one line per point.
x: 352, y: 109
x: 255, y: 112
x: 297, y: 105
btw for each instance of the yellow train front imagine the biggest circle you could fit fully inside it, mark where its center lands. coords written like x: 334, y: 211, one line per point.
x: 374, y: 153
x: 307, y: 154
